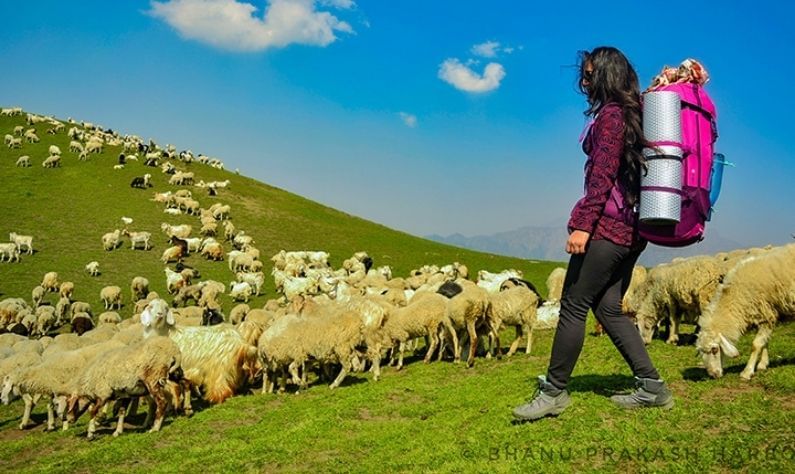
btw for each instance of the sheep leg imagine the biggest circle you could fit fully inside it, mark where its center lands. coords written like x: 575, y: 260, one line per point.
x: 759, y: 344
x: 673, y: 330
x: 150, y: 410
x: 50, y: 414
x: 763, y: 360
x: 60, y: 408
x: 451, y: 331
x: 159, y: 398
x: 529, y: 339
x: 442, y: 343
x: 93, y: 412
x: 432, y: 347
x: 186, y: 402
x: 267, y: 387
x: 343, y: 372
x: 515, y: 343
x: 375, y: 359
x: 123, y: 405
x: 400, y: 355
x: 132, y: 408
x: 29, y: 400
x: 461, y: 341
x: 473, y: 344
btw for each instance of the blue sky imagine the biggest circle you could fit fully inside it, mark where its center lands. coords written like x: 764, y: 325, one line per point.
x: 425, y: 116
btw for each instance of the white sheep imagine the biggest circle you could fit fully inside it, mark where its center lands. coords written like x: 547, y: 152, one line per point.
x: 50, y: 379
x: 22, y: 241
x: 54, y: 150
x: 142, y: 368
x: 9, y: 251
x: 111, y: 240
x: 92, y: 268
x: 139, y: 239
x: 491, y: 282
x: 23, y: 161
x: 111, y: 297
x: 37, y: 295
x: 109, y: 317
x: 174, y: 280
x: 516, y: 307
x: 256, y: 280
x: 75, y: 146
x: 139, y: 288
x: 50, y: 281
x: 758, y: 291
x: 216, y: 358
x: 240, y: 291
x: 52, y: 161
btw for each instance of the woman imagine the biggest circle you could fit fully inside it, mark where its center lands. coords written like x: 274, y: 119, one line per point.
x: 603, y: 239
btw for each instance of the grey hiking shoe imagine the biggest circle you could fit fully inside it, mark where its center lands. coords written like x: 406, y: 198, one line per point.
x: 648, y: 393
x: 548, y: 401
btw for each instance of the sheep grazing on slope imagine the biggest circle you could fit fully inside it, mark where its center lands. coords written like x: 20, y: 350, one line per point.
x: 215, y: 358
x: 424, y: 316
x: 50, y: 281
x: 23, y: 161
x: 92, y: 268
x: 111, y: 240
x: 22, y: 241
x: 37, y: 295
x: 758, y: 291
x: 9, y: 251
x: 138, y: 239
x: 50, y: 379
x: 139, y: 288
x: 52, y: 161
x: 66, y: 289
x: 111, y: 297
x: 516, y: 307
x: 139, y: 369
x: 141, y: 182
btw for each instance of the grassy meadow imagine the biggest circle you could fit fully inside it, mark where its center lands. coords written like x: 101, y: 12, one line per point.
x: 440, y: 417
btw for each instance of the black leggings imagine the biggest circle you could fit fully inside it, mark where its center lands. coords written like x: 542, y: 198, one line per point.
x: 597, y: 280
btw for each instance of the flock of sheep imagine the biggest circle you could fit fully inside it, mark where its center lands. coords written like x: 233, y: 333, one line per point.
x: 325, y: 322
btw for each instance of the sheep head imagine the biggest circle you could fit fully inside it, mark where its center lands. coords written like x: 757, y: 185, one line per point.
x: 157, y: 317
x: 712, y: 347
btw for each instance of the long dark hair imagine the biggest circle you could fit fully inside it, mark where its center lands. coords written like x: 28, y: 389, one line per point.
x: 614, y: 80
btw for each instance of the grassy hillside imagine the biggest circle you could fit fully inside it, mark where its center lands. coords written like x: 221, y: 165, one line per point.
x: 438, y: 417
x: 68, y: 209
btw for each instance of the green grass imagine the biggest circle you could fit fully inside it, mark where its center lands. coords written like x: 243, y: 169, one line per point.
x: 437, y: 417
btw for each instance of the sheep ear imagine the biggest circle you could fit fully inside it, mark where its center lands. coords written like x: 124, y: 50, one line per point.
x: 170, y: 318
x: 146, y: 318
x: 728, y: 347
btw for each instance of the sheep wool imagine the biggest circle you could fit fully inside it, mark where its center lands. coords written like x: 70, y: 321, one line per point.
x: 758, y: 291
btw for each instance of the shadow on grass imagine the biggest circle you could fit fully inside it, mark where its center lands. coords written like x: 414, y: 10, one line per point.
x: 699, y: 374
x: 605, y: 385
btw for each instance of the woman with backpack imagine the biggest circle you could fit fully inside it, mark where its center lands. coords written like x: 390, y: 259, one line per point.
x: 603, y: 239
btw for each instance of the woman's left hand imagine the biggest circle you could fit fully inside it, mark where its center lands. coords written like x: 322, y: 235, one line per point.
x: 578, y: 239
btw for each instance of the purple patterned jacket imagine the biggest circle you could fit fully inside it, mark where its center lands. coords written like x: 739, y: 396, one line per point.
x: 604, y: 145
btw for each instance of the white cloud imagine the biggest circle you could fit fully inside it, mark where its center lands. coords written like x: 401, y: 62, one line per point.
x: 341, y: 4
x: 409, y: 119
x: 488, y: 49
x: 463, y: 78
x: 233, y: 25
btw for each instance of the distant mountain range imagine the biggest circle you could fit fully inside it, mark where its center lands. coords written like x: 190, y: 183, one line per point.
x: 547, y: 243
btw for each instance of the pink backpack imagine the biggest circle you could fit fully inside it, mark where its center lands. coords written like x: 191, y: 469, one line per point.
x: 699, y: 133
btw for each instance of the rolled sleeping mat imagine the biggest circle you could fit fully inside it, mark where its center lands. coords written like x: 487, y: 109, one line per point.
x: 661, y: 186
x: 662, y: 120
